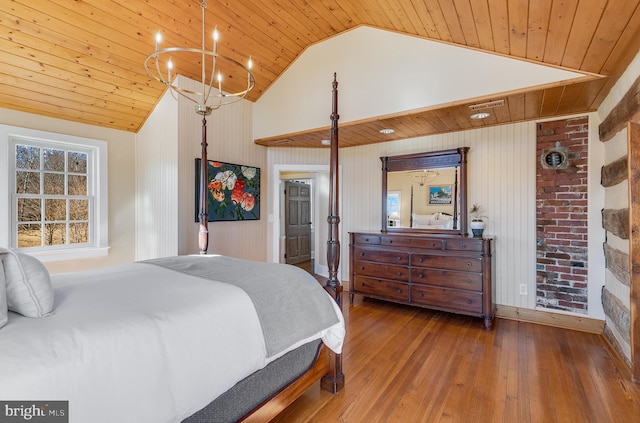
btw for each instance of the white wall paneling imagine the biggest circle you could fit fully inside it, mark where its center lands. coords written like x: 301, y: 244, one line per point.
x: 502, y: 162
x: 166, y: 186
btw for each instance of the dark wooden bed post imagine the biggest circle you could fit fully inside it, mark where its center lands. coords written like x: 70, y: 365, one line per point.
x: 333, y: 286
x: 203, y: 235
x: 333, y: 381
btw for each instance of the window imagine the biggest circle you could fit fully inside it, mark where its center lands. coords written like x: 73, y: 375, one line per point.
x: 393, y: 202
x: 393, y: 208
x: 55, y: 207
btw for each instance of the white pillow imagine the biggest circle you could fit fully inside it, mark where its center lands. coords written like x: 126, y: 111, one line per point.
x: 422, y: 219
x: 29, y: 290
x: 3, y: 298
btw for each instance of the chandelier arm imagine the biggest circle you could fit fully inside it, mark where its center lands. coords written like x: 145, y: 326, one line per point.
x: 160, y: 78
x: 213, y: 71
x: 157, y: 63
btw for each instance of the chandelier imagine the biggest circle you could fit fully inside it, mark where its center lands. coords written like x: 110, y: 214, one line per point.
x: 424, y: 176
x: 211, y: 96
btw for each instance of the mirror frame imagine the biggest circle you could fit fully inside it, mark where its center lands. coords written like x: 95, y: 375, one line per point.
x: 428, y: 160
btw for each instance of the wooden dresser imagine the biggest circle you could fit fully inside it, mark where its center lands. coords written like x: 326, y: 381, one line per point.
x: 445, y: 273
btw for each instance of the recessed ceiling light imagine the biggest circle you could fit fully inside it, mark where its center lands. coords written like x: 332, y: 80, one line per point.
x: 387, y: 131
x: 480, y: 115
x: 326, y: 142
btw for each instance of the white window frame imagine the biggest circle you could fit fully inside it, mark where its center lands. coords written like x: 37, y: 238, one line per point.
x: 97, y: 178
x: 398, y: 195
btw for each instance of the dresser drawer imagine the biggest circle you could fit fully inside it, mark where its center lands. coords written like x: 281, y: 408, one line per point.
x: 464, y: 244
x: 447, y: 299
x: 466, y: 264
x: 447, y: 279
x: 381, y: 288
x: 429, y: 244
x: 382, y: 256
x: 386, y: 271
x: 366, y: 239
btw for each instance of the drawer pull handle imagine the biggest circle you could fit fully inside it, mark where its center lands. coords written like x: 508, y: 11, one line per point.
x: 469, y: 301
x: 468, y: 264
x: 366, y: 239
x: 433, y: 244
x: 398, y: 258
x: 469, y: 281
x: 399, y: 273
x: 421, y: 276
x: 361, y: 267
x: 391, y: 242
x: 361, y: 254
x: 462, y: 245
x: 421, y: 260
x: 399, y: 291
x: 421, y: 294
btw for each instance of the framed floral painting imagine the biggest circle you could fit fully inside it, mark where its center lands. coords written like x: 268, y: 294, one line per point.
x: 233, y: 191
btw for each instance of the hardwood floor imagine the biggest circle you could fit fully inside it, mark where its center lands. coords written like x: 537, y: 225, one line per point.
x: 406, y: 364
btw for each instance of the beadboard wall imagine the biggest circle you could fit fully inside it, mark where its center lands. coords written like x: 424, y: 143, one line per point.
x: 156, y: 183
x: 166, y: 149
x: 502, y: 162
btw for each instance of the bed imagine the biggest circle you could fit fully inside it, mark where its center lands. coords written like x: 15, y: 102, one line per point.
x: 162, y: 338
x: 198, y: 338
x: 432, y: 221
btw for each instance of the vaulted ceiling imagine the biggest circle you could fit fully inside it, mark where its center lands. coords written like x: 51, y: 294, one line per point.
x: 82, y: 60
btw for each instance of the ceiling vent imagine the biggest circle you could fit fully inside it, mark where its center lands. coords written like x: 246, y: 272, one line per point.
x: 488, y: 105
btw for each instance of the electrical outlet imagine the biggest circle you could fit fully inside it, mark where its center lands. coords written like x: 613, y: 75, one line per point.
x: 523, y: 289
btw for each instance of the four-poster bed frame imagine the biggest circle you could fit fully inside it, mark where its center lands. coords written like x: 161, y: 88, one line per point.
x: 328, y: 365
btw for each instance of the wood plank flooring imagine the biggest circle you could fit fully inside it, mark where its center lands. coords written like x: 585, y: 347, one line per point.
x: 406, y: 364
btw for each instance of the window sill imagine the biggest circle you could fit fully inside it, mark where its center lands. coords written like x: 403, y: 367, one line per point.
x: 70, y: 254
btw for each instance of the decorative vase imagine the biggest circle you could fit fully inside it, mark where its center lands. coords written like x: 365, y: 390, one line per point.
x: 477, y: 227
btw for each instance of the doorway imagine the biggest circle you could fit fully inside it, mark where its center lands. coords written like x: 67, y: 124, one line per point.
x: 319, y: 174
x: 297, y: 223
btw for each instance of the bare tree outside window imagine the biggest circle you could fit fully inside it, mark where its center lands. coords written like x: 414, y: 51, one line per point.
x: 52, y: 196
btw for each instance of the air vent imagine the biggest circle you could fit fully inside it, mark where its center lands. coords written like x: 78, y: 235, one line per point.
x: 488, y: 105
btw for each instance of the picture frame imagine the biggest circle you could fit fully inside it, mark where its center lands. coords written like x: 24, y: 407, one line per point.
x: 233, y: 191
x: 440, y: 194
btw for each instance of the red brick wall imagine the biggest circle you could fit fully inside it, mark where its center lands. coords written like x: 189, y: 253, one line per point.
x: 561, y: 218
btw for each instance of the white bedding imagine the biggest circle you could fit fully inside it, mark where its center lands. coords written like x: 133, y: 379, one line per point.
x: 151, y: 351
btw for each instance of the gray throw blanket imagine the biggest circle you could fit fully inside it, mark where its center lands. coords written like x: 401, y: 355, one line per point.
x: 290, y: 303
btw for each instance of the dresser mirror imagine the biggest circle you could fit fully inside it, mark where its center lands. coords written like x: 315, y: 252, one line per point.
x: 425, y: 192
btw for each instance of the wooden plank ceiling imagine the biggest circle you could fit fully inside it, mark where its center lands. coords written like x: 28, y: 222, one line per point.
x: 82, y: 60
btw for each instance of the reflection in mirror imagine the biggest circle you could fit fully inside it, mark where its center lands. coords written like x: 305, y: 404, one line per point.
x: 394, y: 207
x: 423, y: 199
x: 425, y: 192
